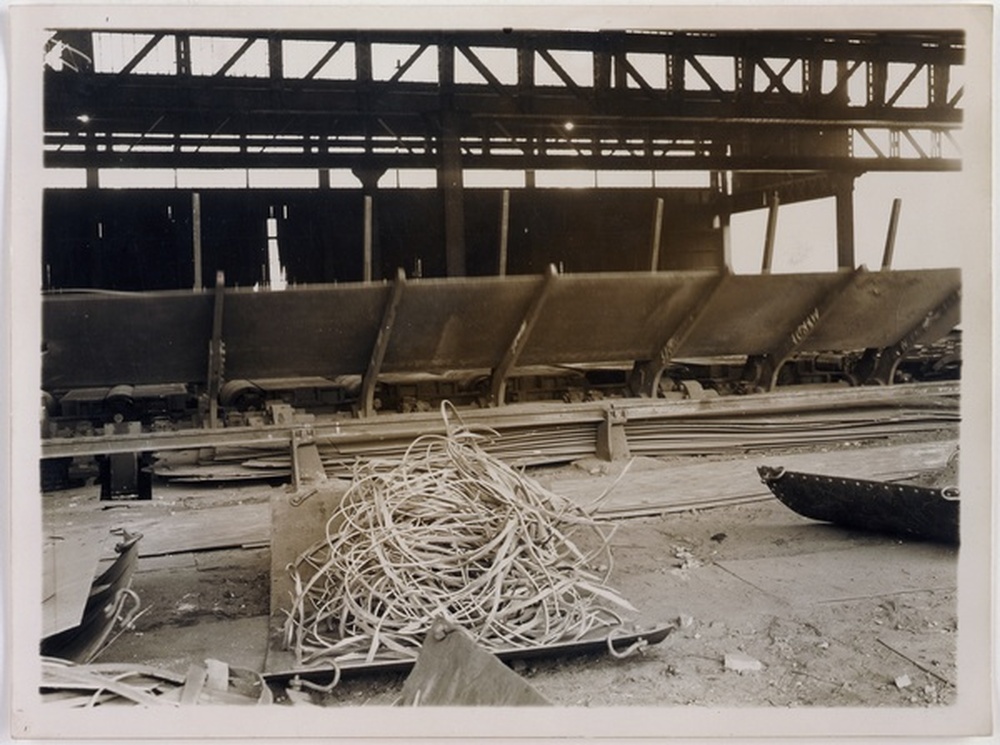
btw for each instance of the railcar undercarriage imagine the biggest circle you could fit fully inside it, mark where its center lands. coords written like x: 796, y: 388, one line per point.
x: 275, y: 359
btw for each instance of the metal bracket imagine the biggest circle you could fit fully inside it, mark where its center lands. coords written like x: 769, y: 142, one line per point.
x: 367, y: 398
x: 307, y: 466
x: 762, y: 370
x: 878, y: 366
x: 612, y: 443
x: 498, y: 378
x: 646, y: 374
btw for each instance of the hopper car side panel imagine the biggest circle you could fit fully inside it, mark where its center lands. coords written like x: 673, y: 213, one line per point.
x: 469, y: 324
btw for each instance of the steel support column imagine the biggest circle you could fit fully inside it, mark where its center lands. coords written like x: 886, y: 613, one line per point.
x: 216, y: 352
x: 372, y: 260
x: 197, y: 283
x: 845, y: 222
x: 453, y: 194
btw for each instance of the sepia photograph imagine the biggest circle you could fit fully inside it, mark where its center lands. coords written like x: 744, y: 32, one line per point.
x: 574, y: 371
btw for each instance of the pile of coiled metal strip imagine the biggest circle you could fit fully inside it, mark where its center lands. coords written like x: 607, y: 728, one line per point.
x: 449, y: 531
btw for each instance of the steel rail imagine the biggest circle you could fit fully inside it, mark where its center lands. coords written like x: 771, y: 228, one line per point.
x: 358, y: 434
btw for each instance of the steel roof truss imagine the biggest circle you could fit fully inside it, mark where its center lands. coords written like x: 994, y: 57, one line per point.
x: 483, y: 70
x: 141, y: 54
x: 906, y: 84
x: 326, y: 57
x: 237, y: 55
x: 705, y: 75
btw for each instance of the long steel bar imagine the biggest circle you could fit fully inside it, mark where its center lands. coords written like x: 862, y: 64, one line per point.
x: 772, y: 229
x: 362, y: 432
x: 654, y: 263
x: 504, y: 233
x: 541, y: 153
x: 890, y: 238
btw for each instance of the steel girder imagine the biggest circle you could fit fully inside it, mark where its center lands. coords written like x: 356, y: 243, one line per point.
x: 745, y: 102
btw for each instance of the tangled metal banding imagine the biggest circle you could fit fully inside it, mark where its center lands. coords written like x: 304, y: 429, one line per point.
x: 449, y: 531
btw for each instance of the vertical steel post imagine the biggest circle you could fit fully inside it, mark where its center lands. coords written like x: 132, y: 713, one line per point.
x: 450, y: 181
x: 845, y: 223
x: 890, y: 238
x: 275, y: 60
x: 504, y: 232
x: 452, y: 190
x: 657, y: 232
x: 367, y: 260
x: 216, y: 352
x: 196, y: 238
x: 772, y: 230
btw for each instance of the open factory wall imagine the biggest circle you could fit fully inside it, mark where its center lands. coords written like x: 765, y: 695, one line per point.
x: 142, y: 239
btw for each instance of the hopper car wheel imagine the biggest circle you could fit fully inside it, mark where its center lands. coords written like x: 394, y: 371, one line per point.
x: 120, y: 405
x: 241, y: 395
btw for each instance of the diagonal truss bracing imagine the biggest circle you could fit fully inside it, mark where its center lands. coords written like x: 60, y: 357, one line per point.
x: 748, y: 101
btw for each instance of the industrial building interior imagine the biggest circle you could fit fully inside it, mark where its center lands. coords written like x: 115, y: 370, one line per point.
x: 281, y: 268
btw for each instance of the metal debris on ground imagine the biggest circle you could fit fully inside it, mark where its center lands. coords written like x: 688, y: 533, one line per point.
x: 111, y: 608
x: 103, y: 684
x: 449, y: 531
x: 919, y: 512
x: 452, y: 670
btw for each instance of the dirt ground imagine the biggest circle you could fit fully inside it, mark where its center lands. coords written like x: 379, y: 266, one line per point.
x: 812, y: 654
x: 821, y: 616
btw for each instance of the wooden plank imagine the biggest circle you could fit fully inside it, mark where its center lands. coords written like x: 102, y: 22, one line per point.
x: 230, y: 526
x: 281, y: 664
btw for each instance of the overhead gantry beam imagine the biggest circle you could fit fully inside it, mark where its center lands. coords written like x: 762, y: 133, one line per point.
x: 749, y: 101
